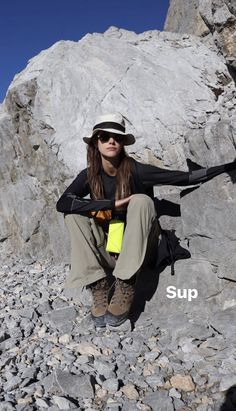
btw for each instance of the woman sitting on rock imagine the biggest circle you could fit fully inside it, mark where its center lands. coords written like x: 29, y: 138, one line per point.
x: 119, y: 188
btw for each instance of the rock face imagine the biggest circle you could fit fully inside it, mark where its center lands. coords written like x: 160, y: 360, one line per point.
x: 184, y: 17
x: 178, y: 97
x: 179, y: 100
x: 201, y: 17
x: 220, y: 17
x: 176, y: 93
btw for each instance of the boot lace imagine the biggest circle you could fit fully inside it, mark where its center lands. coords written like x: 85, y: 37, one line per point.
x: 100, y: 292
x: 124, y: 292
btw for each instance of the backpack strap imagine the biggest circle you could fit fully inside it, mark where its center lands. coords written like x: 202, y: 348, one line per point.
x: 170, y: 250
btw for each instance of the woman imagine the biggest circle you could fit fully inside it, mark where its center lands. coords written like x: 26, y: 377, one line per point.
x: 119, y: 187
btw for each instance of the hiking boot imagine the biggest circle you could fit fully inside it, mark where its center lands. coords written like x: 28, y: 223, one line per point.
x: 121, y: 301
x: 100, y: 293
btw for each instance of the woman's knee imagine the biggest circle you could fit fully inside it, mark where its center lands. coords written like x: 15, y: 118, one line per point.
x: 141, y: 200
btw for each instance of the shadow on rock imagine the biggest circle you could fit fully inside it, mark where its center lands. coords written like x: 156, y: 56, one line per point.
x: 146, y: 287
x: 230, y: 400
x: 169, y: 251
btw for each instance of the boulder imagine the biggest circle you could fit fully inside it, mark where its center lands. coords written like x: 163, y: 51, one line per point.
x: 47, y: 112
x: 184, y: 17
x: 215, y: 19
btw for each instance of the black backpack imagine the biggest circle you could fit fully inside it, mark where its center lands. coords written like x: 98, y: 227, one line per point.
x: 170, y: 251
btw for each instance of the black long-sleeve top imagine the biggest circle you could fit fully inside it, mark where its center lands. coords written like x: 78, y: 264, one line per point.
x: 145, y: 177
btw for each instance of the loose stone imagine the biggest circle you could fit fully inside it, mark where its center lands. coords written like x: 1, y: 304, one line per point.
x: 182, y: 382
x: 130, y: 391
x: 111, y: 385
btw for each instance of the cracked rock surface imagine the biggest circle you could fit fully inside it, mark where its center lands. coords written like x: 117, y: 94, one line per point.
x: 182, y: 109
x: 213, y: 19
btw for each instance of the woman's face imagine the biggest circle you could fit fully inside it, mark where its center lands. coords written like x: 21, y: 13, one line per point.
x: 110, y: 144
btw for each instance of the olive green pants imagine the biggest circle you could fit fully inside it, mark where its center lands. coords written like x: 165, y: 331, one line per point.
x: 90, y: 261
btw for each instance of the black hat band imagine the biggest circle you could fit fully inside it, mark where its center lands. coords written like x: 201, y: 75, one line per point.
x: 110, y: 124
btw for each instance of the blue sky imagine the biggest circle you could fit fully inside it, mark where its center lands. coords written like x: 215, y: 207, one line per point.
x: 29, y: 26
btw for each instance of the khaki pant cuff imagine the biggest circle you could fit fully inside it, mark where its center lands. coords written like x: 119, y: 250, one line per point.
x: 86, y: 281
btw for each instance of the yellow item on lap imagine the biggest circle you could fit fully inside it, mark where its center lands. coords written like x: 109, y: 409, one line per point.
x: 115, y: 236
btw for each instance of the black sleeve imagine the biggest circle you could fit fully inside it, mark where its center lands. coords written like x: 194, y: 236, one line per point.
x: 152, y: 175
x: 73, y: 201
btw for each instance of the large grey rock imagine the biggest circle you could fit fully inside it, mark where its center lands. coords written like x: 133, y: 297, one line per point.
x: 185, y: 104
x: 190, y: 274
x: 73, y: 385
x: 227, y: 382
x: 183, y: 17
x: 220, y: 17
x: 159, y: 401
x: 215, y: 18
x: 224, y: 323
x: 61, y: 319
x: 42, y: 121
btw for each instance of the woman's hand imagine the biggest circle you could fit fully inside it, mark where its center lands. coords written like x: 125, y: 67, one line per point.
x: 123, y: 203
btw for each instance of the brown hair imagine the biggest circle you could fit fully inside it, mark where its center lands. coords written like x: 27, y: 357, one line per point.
x: 123, y: 176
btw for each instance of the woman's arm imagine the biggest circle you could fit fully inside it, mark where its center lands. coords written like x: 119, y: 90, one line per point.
x: 72, y: 200
x: 152, y: 175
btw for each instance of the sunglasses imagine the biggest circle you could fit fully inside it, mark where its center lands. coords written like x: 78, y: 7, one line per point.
x: 105, y: 137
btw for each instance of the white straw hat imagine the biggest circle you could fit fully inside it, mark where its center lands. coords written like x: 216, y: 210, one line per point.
x: 113, y: 123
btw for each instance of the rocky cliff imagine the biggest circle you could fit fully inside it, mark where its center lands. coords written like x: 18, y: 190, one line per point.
x: 178, y: 96
x: 184, y: 17
x: 215, y: 19
x: 179, y: 99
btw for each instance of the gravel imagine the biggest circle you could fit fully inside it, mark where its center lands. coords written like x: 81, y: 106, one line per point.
x: 52, y: 357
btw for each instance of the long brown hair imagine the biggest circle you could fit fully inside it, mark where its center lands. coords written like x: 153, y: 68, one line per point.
x: 123, y: 176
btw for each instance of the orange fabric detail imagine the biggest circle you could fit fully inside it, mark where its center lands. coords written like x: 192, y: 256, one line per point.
x: 102, y: 216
